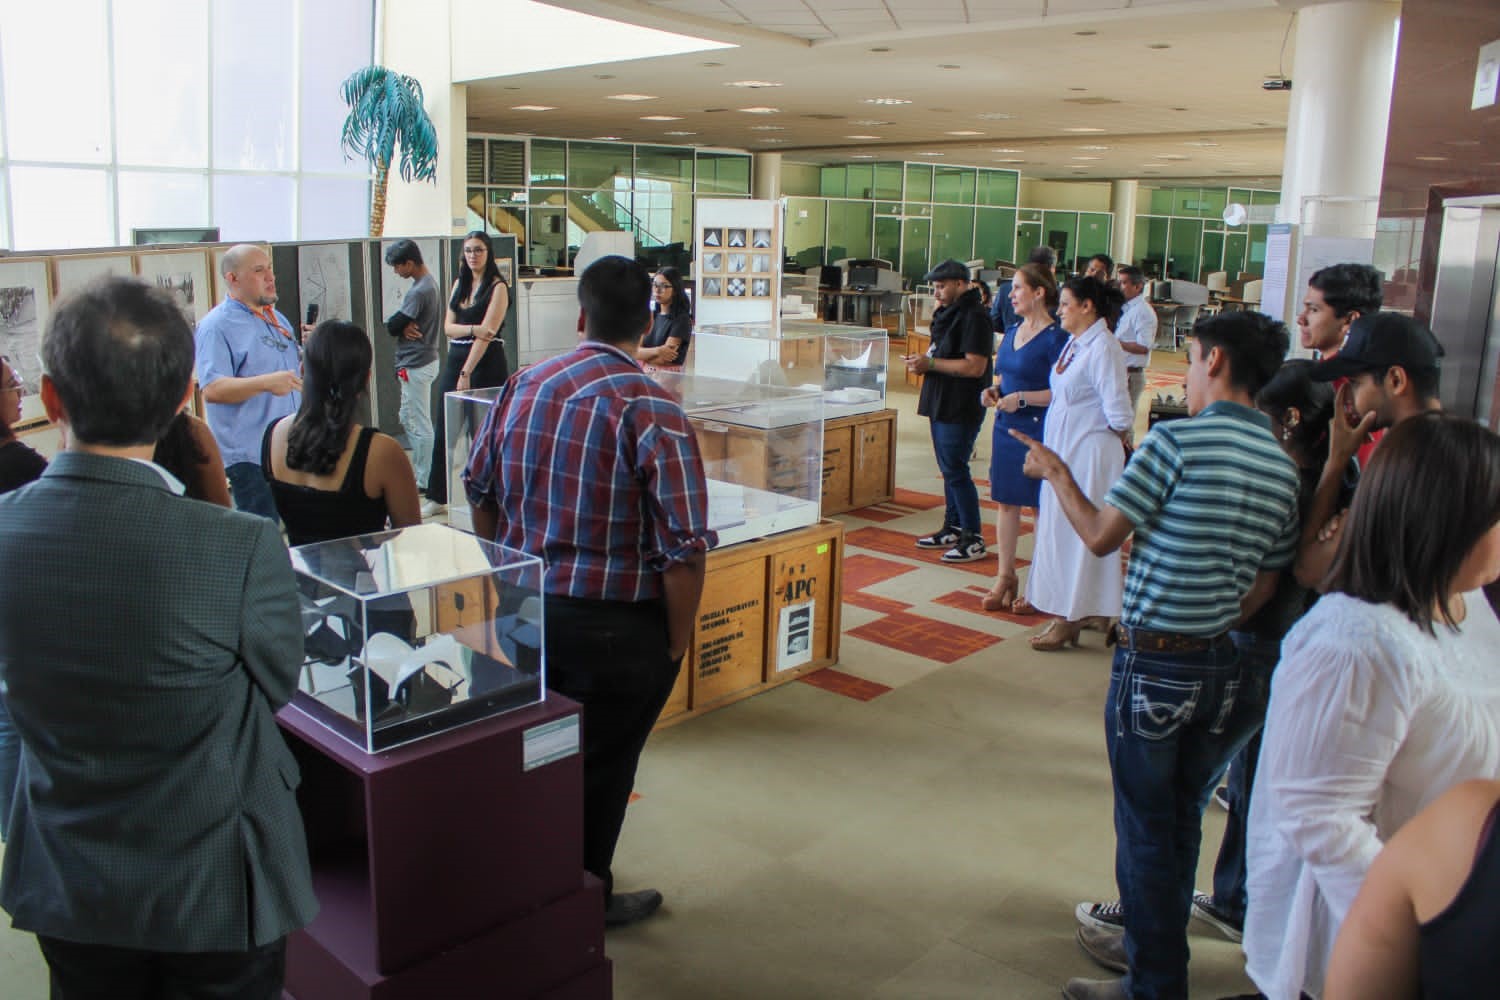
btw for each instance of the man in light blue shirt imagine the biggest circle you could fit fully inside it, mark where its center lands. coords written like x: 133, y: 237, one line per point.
x: 249, y: 364
x: 1136, y: 331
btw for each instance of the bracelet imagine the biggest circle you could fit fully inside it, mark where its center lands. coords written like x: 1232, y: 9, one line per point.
x: 464, y: 374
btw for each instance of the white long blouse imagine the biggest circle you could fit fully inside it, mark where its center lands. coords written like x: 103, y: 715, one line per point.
x: 1370, y: 719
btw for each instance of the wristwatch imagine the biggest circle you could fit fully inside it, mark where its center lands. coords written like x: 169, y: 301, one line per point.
x: 1020, y: 401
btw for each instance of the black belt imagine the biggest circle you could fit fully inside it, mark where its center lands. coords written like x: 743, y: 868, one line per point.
x: 1146, y: 641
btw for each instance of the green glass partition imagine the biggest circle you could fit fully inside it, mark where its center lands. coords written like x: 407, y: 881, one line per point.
x: 1236, y: 253
x: 549, y: 162
x: 918, y: 182
x: 995, y: 234
x: 861, y: 180
x: 1184, y: 239
x: 953, y: 185
x: 593, y: 165
x: 833, y: 182
x: 666, y: 165
x: 888, y: 182
x: 1060, y: 232
x: 952, y: 232
x: 1213, y: 253
x: 1028, y: 237
x: 888, y: 239
x: 998, y: 188
x: 916, y: 237
x: 850, y: 229
x: 806, y: 226
x: 1151, y: 244
x: 723, y: 173
x: 1094, y: 229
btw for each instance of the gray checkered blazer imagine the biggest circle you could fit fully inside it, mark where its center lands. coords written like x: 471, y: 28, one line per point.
x: 145, y: 641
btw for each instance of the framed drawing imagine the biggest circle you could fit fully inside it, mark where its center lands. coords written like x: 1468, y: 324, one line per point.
x: 184, y: 275
x: 73, y: 272
x: 24, y: 309
x: 323, y: 279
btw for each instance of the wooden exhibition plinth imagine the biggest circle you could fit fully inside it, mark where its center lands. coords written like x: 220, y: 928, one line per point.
x: 859, y: 461
x: 770, y: 613
x: 450, y: 867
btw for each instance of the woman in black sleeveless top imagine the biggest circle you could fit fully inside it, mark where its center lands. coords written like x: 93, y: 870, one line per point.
x: 1426, y: 922
x: 476, y: 351
x: 330, y: 477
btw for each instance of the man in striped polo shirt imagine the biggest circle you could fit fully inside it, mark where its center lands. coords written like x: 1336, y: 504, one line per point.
x: 1212, y: 503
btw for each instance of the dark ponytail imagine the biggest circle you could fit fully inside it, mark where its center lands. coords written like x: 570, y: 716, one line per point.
x: 1292, y: 387
x: 335, y: 371
x: 1108, y: 300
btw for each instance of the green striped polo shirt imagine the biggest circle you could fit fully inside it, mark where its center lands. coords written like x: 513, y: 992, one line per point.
x: 1214, y: 501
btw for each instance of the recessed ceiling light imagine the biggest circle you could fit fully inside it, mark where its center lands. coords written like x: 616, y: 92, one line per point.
x: 661, y: 118
x: 1084, y: 128
x: 1462, y: 142
x: 1158, y: 45
x: 1432, y: 159
x: 1093, y: 149
x: 941, y: 111
x: 606, y: 138
x: 679, y: 133
x: 861, y: 137
x: 604, y: 76
x: 510, y: 88
x: 949, y: 66
x: 1079, y: 90
x: 881, y: 48
x: 761, y: 111
x: 997, y: 116
x: 870, y: 122
x: 932, y: 154
x: 1085, y: 34
x: 1179, y: 109
x: 1150, y: 171
x: 768, y: 128
x: 1006, y: 149
x: 711, y: 65
x: 631, y: 97
x: 886, y: 100
x: 1203, y: 143
x: 533, y: 107
x: 1172, y: 156
x: 1085, y: 157
x: 753, y: 84
x: 861, y: 156
x: 1008, y: 159
x: 965, y: 131
x: 773, y: 140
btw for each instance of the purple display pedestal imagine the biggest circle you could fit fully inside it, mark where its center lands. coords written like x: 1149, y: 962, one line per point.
x: 445, y: 868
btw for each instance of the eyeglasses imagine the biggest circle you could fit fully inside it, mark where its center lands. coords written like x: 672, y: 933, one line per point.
x: 469, y: 250
x: 660, y: 286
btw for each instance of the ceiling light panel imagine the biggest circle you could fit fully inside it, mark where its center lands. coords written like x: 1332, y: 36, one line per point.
x: 631, y: 97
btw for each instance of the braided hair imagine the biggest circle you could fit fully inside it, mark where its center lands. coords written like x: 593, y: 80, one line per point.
x: 335, y: 372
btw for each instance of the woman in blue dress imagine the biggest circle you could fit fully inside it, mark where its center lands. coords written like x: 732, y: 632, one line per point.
x: 1023, y: 363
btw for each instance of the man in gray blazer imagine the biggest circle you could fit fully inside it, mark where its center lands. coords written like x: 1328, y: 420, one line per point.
x: 154, y: 847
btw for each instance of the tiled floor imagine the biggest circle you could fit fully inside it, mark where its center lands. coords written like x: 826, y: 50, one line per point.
x: 916, y: 823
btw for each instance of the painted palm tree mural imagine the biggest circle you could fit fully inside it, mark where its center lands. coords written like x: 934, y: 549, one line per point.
x: 386, y: 114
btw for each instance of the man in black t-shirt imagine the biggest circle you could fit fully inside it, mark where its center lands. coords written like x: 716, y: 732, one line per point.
x: 955, y: 370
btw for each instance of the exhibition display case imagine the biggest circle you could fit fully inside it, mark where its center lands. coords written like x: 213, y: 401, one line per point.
x: 762, y: 447
x: 464, y: 412
x: 413, y: 632
x: 846, y: 363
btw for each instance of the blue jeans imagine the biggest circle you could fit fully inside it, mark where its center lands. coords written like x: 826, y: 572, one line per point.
x: 252, y: 494
x: 1257, y: 659
x: 10, y: 764
x: 953, y: 444
x: 1171, y: 728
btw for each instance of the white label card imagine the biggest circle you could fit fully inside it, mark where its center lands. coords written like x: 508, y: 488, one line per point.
x: 794, y: 636
x: 551, y: 741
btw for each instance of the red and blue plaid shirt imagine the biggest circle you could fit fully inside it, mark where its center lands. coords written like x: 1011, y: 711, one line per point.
x: 594, y: 468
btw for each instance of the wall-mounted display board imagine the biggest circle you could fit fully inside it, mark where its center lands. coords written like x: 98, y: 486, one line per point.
x: 183, y: 274
x: 73, y: 272
x: 25, y: 304
x: 737, y: 267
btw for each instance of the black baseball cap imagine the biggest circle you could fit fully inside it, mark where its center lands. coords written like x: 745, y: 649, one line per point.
x: 1379, y: 341
x: 949, y: 270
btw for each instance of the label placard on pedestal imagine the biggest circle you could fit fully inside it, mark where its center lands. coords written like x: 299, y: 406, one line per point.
x: 794, y: 636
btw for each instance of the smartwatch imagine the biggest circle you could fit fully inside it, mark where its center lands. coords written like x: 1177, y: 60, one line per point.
x: 1020, y: 401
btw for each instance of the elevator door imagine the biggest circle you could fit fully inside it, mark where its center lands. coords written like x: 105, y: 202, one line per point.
x: 1465, y: 308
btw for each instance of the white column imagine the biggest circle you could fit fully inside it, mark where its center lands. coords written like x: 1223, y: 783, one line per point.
x: 1342, y: 76
x: 415, y: 39
x: 1122, y: 196
x: 765, y: 176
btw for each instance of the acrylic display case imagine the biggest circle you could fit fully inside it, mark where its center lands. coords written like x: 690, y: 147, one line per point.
x: 762, y: 447
x: 414, y: 632
x: 846, y: 363
x: 464, y: 413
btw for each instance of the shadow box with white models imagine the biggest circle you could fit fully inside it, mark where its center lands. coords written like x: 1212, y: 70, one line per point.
x: 414, y: 632
x: 762, y: 448
x: 846, y: 363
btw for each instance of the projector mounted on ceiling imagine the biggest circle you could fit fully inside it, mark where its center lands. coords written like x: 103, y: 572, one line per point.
x: 1276, y: 83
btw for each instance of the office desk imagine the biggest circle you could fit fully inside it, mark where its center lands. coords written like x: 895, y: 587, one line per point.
x: 848, y: 300
x: 1233, y: 302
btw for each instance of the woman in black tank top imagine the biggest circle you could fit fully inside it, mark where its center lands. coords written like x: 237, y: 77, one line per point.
x: 331, y: 477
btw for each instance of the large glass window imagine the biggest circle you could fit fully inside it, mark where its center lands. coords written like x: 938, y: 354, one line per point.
x: 1060, y: 232
x: 254, y: 207
x: 335, y: 41
x: 1183, y: 243
x: 56, y: 60
x: 254, y: 73
x: 998, y: 187
x: 953, y: 185
x: 833, y: 182
x: 154, y: 199
x: 596, y: 165
x: 1093, y: 235
x: 806, y: 226
x: 861, y: 181
x: 918, y: 182
x: 723, y: 173
x: 328, y: 208
x: 995, y: 234
x: 549, y: 158
x: 55, y: 207
x: 161, y: 87
x: 952, y: 232
x: 888, y: 182
x: 850, y: 229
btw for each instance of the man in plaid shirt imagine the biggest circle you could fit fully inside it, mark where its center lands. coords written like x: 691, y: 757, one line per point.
x: 589, y: 464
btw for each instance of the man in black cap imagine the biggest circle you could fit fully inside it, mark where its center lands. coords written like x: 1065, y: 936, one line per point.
x: 1391, y: 363
x: 955, y: 369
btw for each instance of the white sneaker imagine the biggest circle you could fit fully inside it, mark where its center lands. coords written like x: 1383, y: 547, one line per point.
x: 431, y: 508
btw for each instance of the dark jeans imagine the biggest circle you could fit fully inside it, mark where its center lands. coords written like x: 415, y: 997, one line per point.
x: 953, y: 444
x: 251, y: 492
x: 493, y: 369
x: 99, y: 972
x: 1257, y: 660
x: 611, y: 657
x: 1171, y: 728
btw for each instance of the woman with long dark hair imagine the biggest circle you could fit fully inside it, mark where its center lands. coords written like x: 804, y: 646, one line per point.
x: 476, y: 352
x: 1087, y: 420
x: 1387, y: 693
x: 188, y: 451
x: 330, y: 476
x: 666, y: 344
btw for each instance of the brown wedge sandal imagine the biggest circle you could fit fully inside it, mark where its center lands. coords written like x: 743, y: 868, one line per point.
x: 1056, y: 635
x: 1002, y: 596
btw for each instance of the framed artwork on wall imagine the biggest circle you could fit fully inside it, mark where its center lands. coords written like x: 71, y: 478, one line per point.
x: 73, y: 272
x: 25, y: 307
x: 184, y: 276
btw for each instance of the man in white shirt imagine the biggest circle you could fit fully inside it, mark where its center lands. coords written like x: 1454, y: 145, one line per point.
x: 1136, y: 330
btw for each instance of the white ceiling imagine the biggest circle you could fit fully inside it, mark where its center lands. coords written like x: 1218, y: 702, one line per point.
x: 1173, y: 87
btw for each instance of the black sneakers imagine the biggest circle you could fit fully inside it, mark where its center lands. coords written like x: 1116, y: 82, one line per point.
x: 945, y: 537
x: 627, y: 908
x: 968, y: 548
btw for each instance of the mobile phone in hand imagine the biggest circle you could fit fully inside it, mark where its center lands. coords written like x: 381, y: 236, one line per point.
x: 312, y: 314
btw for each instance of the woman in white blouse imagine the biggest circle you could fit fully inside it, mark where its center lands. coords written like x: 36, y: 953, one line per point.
x: 1087, y: 422
x: 1387, y: 694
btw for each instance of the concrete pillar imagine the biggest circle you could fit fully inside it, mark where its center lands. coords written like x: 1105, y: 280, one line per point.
x: 1342, y: 76
x: 1122, y: 196
x: 415, y: 40
x: 765, y: 176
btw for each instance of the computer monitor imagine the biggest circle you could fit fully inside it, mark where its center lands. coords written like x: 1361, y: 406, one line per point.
x: 831, y: 276
x: 863, y: 277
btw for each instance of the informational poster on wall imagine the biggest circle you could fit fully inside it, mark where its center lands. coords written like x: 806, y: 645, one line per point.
x: 737, y: 265
x: 794, y: 636
x: 1273, y: 292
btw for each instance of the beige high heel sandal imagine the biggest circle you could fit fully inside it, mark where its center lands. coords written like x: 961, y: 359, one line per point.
x: 1056, y: 635
x: 1002, y: 595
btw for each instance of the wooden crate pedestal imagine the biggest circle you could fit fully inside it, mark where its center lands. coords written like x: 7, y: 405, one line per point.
x: 859, y: 461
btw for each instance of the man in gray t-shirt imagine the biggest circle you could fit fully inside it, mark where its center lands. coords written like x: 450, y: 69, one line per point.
x: 418, y: 329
